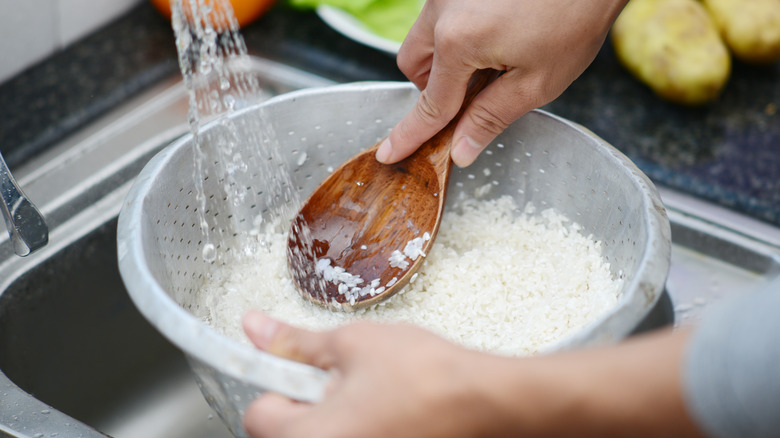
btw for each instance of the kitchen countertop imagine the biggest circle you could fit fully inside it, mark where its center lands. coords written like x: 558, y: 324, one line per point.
x: 727, y: 152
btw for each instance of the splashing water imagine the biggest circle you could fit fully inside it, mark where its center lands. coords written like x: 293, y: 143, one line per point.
x: 233, y: 154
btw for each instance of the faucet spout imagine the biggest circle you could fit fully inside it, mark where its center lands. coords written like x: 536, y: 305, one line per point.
x: 26, y: 226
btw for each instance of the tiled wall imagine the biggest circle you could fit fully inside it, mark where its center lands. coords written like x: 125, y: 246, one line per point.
x: 31, y: 30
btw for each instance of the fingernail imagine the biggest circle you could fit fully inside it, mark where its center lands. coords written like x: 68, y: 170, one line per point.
x: 261, y: 327
x: 384, y: 151
x: 465, y: 151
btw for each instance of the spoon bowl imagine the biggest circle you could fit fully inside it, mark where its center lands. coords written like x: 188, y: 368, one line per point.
x: 364, y: 232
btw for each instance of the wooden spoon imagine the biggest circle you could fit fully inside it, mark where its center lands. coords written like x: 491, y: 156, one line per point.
x: 361, y: 218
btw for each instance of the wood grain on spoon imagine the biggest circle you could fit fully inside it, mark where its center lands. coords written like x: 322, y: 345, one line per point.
x: 364, y: 211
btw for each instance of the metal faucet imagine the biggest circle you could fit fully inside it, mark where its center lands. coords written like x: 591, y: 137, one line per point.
x: 25, y: 222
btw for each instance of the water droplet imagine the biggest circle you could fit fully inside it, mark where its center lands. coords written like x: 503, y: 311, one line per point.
x: 229, y: 101
x: 239, y: 194
x: 209, y: 252
x: 224, y: 83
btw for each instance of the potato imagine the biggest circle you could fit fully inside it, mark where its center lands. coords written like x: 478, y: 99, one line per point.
x: 674, y: 47
x: 750, y: 28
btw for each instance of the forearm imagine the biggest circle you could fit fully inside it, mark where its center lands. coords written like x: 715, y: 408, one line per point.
x: 632, y: 389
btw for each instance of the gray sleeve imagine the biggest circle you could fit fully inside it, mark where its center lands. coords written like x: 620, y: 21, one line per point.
x: 731, y: 375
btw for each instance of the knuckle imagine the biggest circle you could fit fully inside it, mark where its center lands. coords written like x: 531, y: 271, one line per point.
x: 427, y: 109
x: 489, y: 120
x: 285, y: 335
x: 288, y: 343
x: 542, y: 89
x: 447, y: 38
x: 404, y: 59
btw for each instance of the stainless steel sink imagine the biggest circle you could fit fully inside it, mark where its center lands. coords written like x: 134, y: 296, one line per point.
x: 77, y: 359
x: 715, y: 253
x: 72, y: 338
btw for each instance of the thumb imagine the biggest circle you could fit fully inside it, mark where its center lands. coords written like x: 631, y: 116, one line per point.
x: 286, y: 341
x: 437, y: 104
x: 491, y: 112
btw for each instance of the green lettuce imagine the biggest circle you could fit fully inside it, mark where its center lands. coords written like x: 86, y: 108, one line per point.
x: 390, y: 19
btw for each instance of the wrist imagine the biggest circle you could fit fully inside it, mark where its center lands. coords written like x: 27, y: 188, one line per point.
x: 631, y: 389
x: 530, y: 397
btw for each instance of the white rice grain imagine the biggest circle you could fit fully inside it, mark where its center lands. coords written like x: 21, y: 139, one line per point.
x: 497, y: 279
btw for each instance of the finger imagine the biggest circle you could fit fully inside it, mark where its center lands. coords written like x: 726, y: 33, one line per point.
x: 492, y: 111
x: 415, y: 56
x: 271, y: 413
x: 287, y: 341
x: 437, y: 105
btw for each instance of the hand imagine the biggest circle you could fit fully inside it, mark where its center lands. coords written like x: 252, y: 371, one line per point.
x: 393, y: 380
x: 542, y: 46
x: 389, y: 380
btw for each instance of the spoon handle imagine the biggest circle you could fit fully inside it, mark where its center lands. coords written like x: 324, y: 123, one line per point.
x: 478, y: 82
x: 438, y: 147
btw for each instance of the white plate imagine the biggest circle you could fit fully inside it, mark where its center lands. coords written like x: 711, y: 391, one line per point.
x: 349, y: 26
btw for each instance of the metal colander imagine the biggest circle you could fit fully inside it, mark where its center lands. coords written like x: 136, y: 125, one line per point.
x: 540, y: 158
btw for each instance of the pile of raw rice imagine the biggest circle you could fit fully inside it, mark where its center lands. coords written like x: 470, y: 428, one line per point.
x: 498, y: 279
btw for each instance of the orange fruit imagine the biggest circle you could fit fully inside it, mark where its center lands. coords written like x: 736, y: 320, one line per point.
x: 246, y: 11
